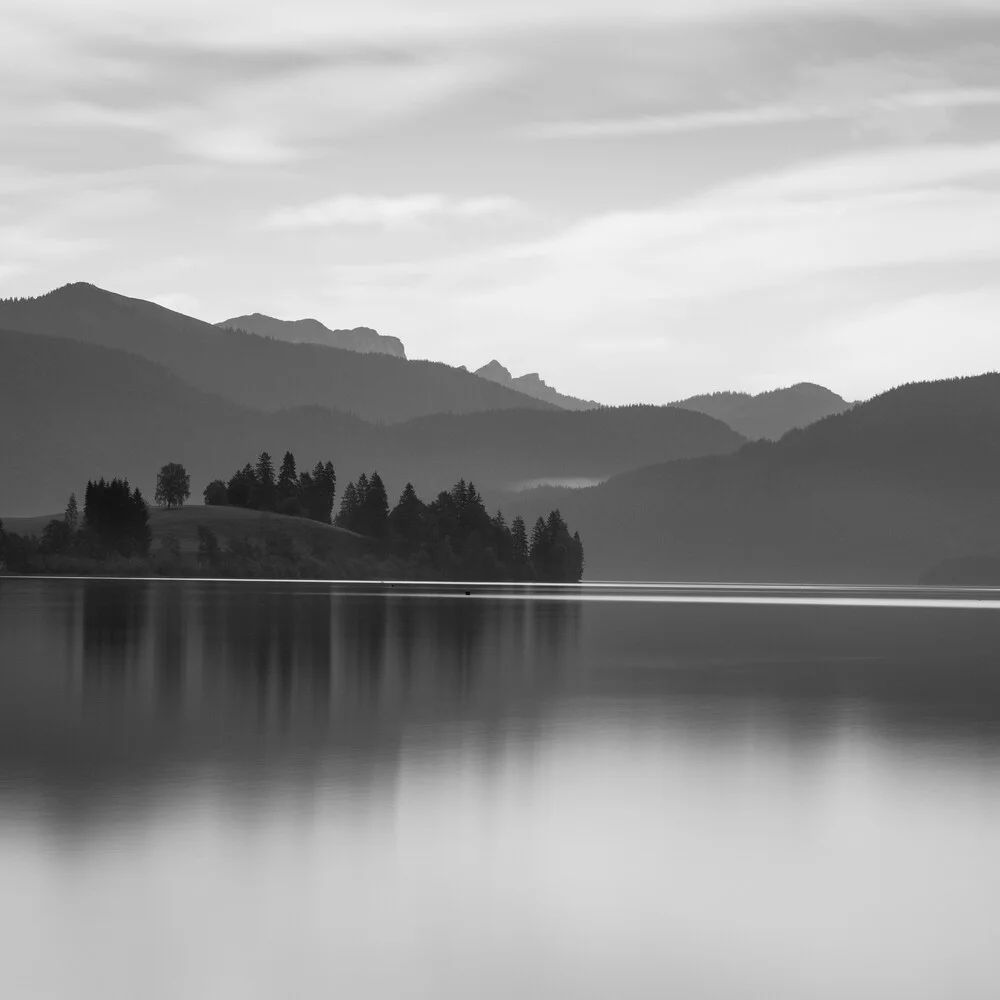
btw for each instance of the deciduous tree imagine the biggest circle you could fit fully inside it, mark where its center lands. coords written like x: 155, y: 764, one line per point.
x: 173, y: 485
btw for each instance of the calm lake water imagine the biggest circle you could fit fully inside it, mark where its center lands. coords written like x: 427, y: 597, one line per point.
x: 213, y: 790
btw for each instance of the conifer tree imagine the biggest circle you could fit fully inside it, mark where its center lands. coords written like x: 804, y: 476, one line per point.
x: 375, y: 508
x: 72, y: 515
x: 577, y: 561
x: 288, y: 480
x: 537, y: 540
x: 347, y: 515
x: 406, y: 519
x: 267, y: 492
x: 322, y: 493
x: 242, y: 487
x: 519, y: 541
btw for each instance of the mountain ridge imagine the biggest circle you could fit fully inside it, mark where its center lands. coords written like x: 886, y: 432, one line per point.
x: 70, y: 411
x: 770, y: 414
x: 362, y: 339
x: 258, y: 371
x: 877, y: 493
x: 533, y: 385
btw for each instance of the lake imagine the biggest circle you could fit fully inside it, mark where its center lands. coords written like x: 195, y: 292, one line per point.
x: 250, y: 789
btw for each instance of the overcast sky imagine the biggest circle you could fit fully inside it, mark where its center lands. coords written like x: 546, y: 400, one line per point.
x: 639, y: 199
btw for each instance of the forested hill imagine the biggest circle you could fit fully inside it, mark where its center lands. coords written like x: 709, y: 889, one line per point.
x: 258, y: 371
x: 877, y: 493
x: 70, y: 411
x: 769, y: 414
x: 504, y: 447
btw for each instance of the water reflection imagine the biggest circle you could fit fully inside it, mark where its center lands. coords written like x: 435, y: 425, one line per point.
x: 303, y: 790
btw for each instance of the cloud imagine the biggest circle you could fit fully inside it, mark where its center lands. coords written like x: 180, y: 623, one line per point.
x: 866, y: 109
x: 708, y: 278
x: 386, y: 212
x: 251, y: 23
x: 23, y: 243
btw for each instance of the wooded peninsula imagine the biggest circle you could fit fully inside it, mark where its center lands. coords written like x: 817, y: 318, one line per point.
x: 282, y: 524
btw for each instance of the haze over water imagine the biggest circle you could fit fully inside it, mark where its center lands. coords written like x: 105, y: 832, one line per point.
x: 261, y: 790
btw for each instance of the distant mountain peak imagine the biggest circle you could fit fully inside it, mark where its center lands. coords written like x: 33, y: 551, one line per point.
x: 495, y: 372
x: 769, y: 414
x: 361, y: 339
x: 532, y: 385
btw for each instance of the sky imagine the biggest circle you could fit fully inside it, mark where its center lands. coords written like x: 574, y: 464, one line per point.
x: 637, y: 199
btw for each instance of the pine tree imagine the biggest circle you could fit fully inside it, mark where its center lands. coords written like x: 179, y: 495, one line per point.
x: 347, y: 516
x: 288, y: 479
x: 267, y: 491
x: 555, y: 524
x: 375, y: 508
x: 519, y: 541
x: 577, y: 561
x: 72, y: 515
x: 241, y: 489
x: 407, y: 518
x: 537, y: 540
x: 324, y: 482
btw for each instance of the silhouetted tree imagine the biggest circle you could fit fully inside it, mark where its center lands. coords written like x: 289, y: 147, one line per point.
x: 288, y: 480
x: 242, y: 486
x: 56, y: 538
x: 265, y: 496
x: 374, y: 508
x: 72, y: 515
x: 406, y: 521
x: 318, y: 491
x: 348, y: 512
x: 537, y: 540
x: 519, y: 541
x: 289, y: 499
x: 173, y: 485
x: 576, y: 560
x: 117, y: 518
x: 216, y: 494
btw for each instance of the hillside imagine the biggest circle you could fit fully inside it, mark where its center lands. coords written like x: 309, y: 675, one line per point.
x: 503, y: 448
x: 258, y: 371
x: 71, y: 411
x: 877, y: 493
x: 532, y: 385
x: 228, y: 523
x: 361, y: 339
x: 768, y: 415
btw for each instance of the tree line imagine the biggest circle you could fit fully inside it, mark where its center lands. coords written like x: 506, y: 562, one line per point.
x: 114, y: 521
x: 454, y: 537
x: 256, y: 487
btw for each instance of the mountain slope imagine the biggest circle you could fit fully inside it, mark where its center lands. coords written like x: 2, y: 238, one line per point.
x: 258, y: 371
x: 877, y: 493
x: 72, y: 411
x: 361, y: 339
x: 532, y: 385
x: 771, y: 414
x: 503, y: 448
